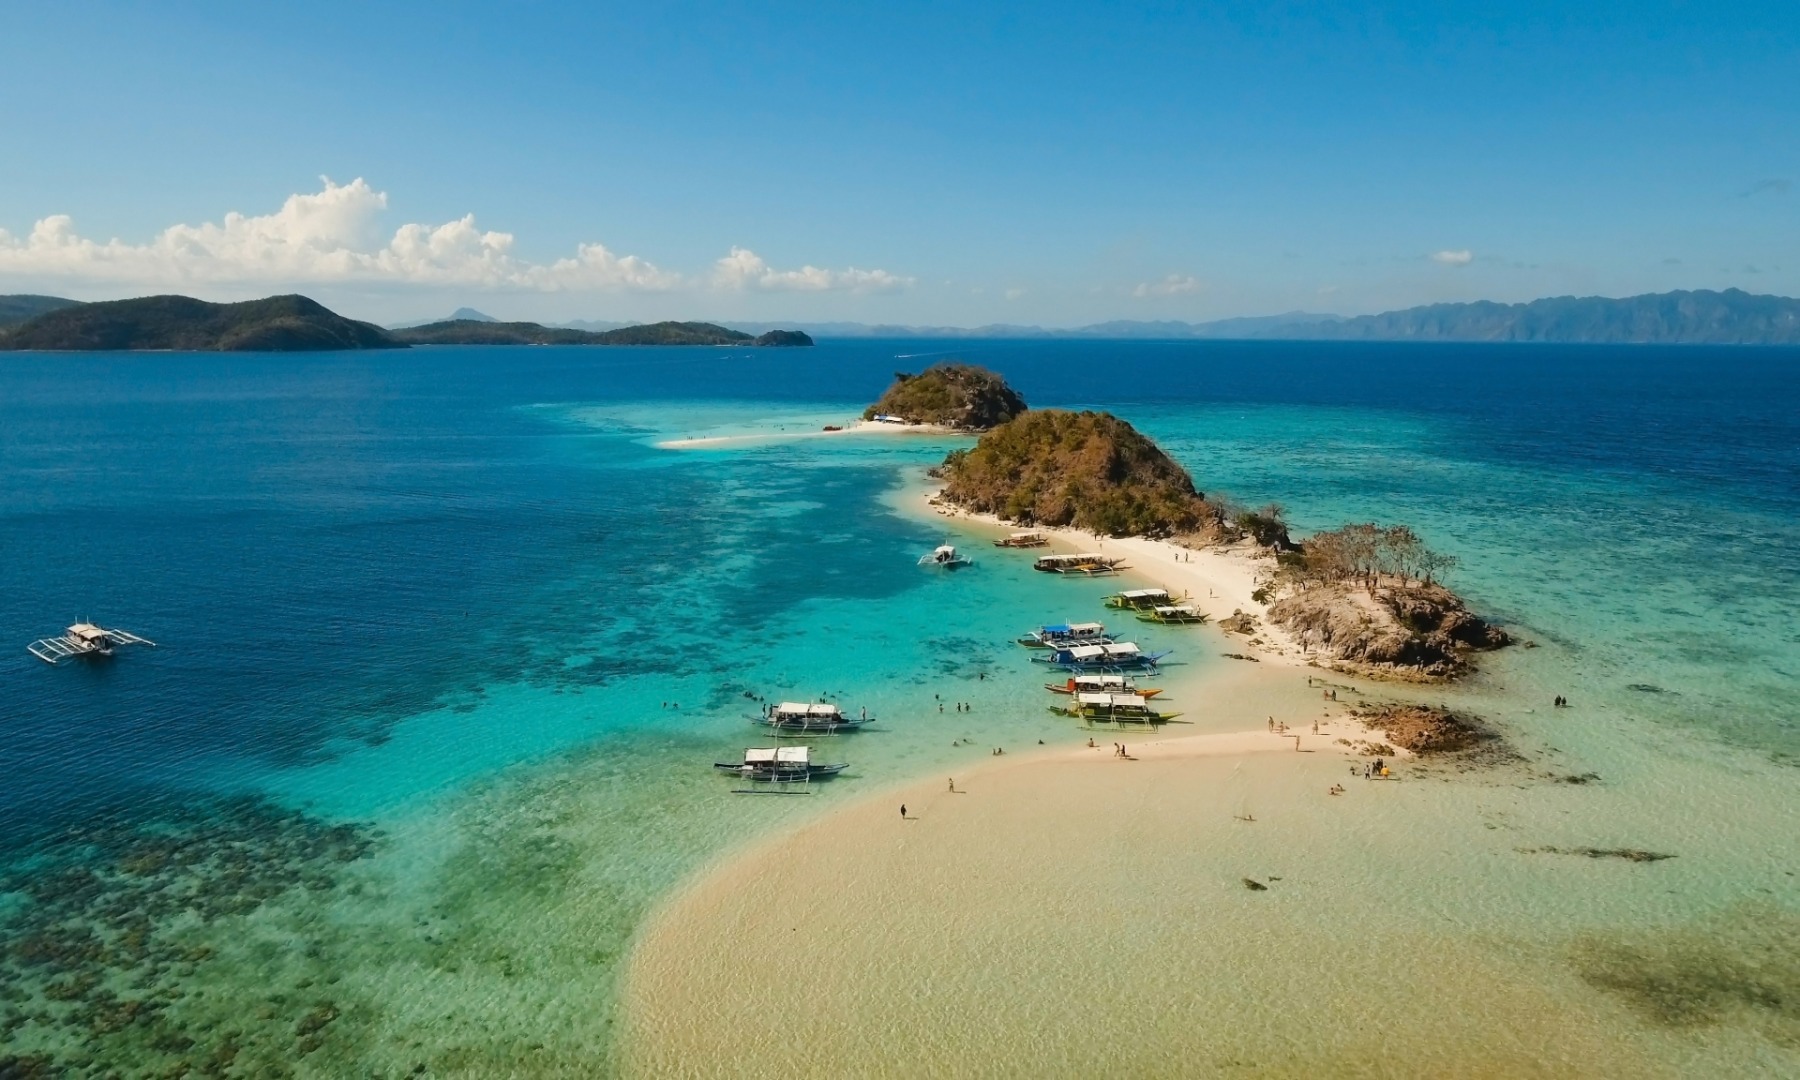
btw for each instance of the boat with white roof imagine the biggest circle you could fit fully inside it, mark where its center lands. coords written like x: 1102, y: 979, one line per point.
x: 1112, y: 657
x: 84, y: 639
x: 946, y: 557
x: 779, y: 765
x: 1048, y: 637
x: 1101, y: 684
x: 811, y: 718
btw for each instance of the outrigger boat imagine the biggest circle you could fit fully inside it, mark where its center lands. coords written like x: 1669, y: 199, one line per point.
x: 1139, y: 599
x: 1085, y: 563
x: 779, y: 765
x: 84, y: 639
x: 1174, y: 614
x: 947, y: 557
x: 1023, y: 540
x: 1112, y: 657
x: 1113, y: 709
x: 801, y: 718
x: 1049, y: 637
x: 1102, y: 684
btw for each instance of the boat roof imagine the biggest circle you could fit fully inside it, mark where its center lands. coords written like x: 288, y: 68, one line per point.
x: 1143, y: 594
x: 1086, y: 652
x: 1099, y: 680
x: 1120, y: 648
x: 1176, y: 609
x: 86, y: 631
x: 1114, y: 700
x: 803, y: 708
x: 951, y: 548
x: 764, y: 755
x: 1087, y: 627
x: 1027, y: 532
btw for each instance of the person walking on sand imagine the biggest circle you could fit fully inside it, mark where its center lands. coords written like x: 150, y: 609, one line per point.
x: 953, y: 785
x: 902, y: 811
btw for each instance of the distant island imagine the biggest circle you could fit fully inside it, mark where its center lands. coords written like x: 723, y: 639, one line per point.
x: 298, y: 324
x: 1700, y: 317
x: 951, y: 395
x: 1363, y: 598
x: 481, y: 332
x: 181, y: 323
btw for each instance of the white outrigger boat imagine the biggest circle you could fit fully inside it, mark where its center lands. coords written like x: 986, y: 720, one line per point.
x: 947, y: 557
x: 803, y: 718
x: 1110, y: 658
x: 84, y: 639
x: 1113, y: 709
x: 779, y: 765
x: 1139, y: 599
x: 1023, y: 540
x: 1102, y: 684
x: 1049, y: 637
x: 1087, y: 563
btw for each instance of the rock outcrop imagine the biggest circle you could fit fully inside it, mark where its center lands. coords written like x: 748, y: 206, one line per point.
x: 955, y: 395
x: 1424, y: 729
x: 1090, y: 470
x: 1412, y: 629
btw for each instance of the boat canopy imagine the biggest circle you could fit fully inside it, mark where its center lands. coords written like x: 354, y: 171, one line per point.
x: 1086, y: 652
x: 1176, y: 609
x: 785, y: 755
x: 1031, y: 534
x: 1114, y: 701
x: 944, y: 549
x: 1099, y: 682
x: 800, y: 708
x: 1087, y: 628
x: 1144, y: 594
x: 87, y: 632
x: 1120, y: 649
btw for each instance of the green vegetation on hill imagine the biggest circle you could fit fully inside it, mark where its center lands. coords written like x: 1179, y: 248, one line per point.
x: 477, y: 332
x: 955, y: 395
x: 18, y: 308
x: 1091, y: 470
x: 181, y: 323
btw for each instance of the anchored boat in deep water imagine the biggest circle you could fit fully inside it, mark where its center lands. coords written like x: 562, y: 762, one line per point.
x: 84, y: 639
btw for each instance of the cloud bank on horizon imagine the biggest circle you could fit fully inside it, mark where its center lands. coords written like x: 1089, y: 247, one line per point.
x: 333, y: 237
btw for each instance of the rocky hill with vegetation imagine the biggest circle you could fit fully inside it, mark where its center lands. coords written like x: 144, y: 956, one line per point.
x: 19, y: 307
x: 954, y: 395
x: 183, y: 324
x: 483, y: 332
x: 1090, y: 470
x: 1364, y: 598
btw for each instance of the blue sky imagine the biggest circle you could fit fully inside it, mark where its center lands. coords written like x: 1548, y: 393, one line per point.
x: 925, y: 163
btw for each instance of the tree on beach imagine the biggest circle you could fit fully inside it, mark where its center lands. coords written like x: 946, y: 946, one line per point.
x: 1365, y: 553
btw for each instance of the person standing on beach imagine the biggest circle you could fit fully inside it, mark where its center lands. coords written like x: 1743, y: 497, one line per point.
x: 902, y: 811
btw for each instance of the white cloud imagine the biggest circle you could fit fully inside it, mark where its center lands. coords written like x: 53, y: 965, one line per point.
x: 1014, y: 294
x: 1453, y: 258
x: 1173, y: 285
x: 745, y: 269
x: 334, y: 236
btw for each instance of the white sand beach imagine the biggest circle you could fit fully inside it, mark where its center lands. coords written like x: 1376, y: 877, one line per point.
x: 857, y: 428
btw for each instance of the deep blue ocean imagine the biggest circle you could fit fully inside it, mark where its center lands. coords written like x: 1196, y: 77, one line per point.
x: 325, y: 544
x: 447, y: 605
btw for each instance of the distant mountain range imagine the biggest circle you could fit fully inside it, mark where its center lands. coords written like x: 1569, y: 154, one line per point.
x: 490, y: 332
x: 1731, y: 317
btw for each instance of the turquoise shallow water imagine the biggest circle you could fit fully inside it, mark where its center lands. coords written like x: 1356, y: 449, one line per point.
x: 449, y: 643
